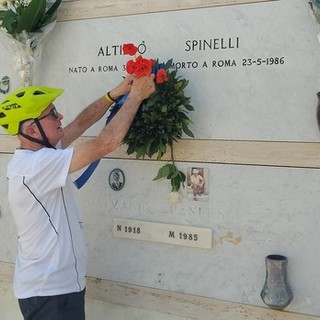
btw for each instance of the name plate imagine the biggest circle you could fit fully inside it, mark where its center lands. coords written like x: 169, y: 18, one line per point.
x: 163, y: 233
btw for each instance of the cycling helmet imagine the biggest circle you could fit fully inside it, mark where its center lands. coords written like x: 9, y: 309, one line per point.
x: 23, y: 104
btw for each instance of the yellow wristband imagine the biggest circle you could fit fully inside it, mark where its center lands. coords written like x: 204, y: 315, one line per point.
x: 108, y: 98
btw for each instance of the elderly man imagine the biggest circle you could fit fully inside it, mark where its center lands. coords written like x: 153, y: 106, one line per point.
x: 49, y: 279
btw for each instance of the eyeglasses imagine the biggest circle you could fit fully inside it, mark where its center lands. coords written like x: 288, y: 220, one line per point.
x: 53, y: 112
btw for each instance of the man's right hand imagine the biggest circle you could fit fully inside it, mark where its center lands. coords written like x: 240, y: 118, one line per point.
x: 143, y: 87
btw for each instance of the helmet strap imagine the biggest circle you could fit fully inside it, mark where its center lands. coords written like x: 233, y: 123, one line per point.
x: 44, y: 142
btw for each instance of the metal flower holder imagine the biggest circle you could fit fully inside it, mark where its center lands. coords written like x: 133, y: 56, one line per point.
x: 276, y: 292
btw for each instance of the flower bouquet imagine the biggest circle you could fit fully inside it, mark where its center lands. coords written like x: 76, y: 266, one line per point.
x: 27, y: 24
x: 161, y: 119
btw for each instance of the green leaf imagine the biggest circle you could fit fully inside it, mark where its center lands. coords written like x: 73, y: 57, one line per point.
x: 54, y: 8
x: 162, y: 147
x: 182, y: 176
x: 164, y: 108
x: 31, y: 16
x: 163, y: 172
x: 176, y: 183
x: 189, y: 107
x: 159, y: 156
x: 174, y: 174
x: 187, y: 131
x: 168, y: 64
x: 2, y: 14
x: 51, y: 13
x: 9, y: 21
x: 140, y: 152
x: 177, y: 180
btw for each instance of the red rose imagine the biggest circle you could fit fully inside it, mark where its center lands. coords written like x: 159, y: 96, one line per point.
x: 130, y: 49
x: 143, y: 67
x: 161, y: 76
x: 131, y: 67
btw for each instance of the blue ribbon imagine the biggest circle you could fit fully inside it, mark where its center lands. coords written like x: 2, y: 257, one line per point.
x: 92, y: 166
x: 157, y: 68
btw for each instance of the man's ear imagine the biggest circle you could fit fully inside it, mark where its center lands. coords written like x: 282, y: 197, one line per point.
x: 31, y: 130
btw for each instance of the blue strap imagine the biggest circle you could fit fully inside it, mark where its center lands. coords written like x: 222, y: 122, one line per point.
x: 92, y: 166
x: 86, y: 174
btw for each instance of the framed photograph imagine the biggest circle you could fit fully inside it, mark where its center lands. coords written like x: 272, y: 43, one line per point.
x: 116, y: 179
x: 198, y: 184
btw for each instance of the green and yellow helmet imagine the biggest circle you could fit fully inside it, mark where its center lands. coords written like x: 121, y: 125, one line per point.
x: 23, y: 104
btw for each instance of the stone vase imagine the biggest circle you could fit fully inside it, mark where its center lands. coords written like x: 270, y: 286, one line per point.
x: 276, y: 292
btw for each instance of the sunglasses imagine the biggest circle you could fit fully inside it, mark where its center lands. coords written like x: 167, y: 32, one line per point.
x: 53, y: 112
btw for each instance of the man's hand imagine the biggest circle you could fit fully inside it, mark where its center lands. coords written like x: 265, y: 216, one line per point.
x: 143, y: 87
x: 122, y: 88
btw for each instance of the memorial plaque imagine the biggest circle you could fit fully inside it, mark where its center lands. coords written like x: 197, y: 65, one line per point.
x: 163, y: 233
x: 250, y: 77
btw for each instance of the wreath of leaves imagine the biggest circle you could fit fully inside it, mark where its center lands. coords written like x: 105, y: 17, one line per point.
x: 161, y: 120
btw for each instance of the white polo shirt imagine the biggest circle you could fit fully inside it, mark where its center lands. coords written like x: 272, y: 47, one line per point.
x: 51, y: 257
